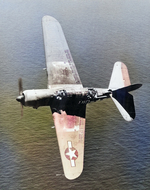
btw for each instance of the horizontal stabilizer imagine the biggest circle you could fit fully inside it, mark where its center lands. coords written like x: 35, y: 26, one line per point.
x: 124, y: 102
x: 131, y: 87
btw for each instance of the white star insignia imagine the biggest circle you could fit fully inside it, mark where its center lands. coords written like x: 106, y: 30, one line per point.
x: 71, y: 154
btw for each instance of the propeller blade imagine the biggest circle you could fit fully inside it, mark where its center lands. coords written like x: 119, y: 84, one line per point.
x: 21, y: 96
x: 20, y: 86
x: 21, y: 110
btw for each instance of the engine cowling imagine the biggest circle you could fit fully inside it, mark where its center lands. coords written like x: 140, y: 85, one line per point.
x: 35, y: 98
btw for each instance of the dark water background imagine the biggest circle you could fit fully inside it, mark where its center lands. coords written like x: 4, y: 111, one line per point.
x: 99, y: 33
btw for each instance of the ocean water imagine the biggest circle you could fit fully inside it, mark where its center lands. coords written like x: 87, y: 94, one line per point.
x: 99, y: 33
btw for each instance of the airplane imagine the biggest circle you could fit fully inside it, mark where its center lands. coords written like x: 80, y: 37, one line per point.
x: 67, y: 97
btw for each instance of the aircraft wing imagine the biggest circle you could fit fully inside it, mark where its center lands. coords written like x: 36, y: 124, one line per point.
x: 60, y: 65
x: 69, y: 121
x: 70, y: 134
x: 68, y: 115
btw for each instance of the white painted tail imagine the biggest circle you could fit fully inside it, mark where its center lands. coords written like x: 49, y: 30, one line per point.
x: 120, y: 77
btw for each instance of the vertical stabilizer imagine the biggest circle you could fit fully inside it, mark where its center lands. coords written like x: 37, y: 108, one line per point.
x: 120, y: 76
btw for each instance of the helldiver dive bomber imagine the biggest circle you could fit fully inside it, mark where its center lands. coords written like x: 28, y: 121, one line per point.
x: 67, y: 97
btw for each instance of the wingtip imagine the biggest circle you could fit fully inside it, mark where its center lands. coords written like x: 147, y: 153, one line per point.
x: 72, y: 176
x: 48, y: 18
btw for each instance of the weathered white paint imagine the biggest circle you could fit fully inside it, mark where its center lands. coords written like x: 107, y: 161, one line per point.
x: 60, y: 65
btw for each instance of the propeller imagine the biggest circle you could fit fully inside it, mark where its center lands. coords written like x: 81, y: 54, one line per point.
x: 20, y: 86
x: 20, y: 98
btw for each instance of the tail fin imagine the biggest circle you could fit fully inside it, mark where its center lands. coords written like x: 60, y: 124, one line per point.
x: 120, y: 86
x: 120, y: 76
